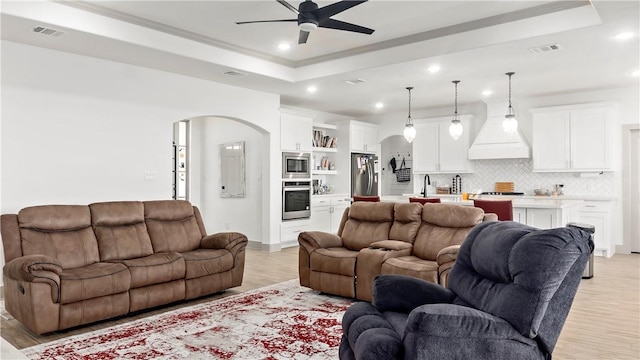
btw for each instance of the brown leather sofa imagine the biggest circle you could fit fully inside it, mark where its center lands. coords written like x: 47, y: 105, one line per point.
x: 385, y: 238
x: 69, y: 265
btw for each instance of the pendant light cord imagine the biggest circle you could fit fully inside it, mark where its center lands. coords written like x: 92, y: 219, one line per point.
x: 409, y: 121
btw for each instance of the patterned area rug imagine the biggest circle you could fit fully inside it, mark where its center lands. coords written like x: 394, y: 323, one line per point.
x: 282, y: 321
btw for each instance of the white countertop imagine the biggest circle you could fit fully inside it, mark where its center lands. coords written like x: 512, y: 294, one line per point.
x: 530, y: 202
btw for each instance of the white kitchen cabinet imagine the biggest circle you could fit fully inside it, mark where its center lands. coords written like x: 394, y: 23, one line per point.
x: 546, y: 218
x: 573, y: 138
x: 338, y: 205
x: 543, y: 218
x: 596, y: 213
x: 295, y: 132
x: 289, y: 231
x: 435, y: 151
x: 326, y: 212
x: 520, y: 215
x: 363, y: 137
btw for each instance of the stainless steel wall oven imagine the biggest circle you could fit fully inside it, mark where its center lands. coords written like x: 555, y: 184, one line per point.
x: 296, y: 200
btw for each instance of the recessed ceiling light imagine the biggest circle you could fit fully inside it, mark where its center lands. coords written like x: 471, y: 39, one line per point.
x: 312, y: 89
x: 486, y: 92
x: 284, y: 46
x: 379, y: 105
x: 624, y: 36
x: 433, y: 69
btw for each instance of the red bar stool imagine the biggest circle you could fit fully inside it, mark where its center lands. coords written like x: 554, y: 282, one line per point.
x: 502, y: 208
x: 366, y: 198
x: 423, y: 200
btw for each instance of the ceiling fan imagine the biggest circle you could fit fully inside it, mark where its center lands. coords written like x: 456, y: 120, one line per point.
x: 310, y: 17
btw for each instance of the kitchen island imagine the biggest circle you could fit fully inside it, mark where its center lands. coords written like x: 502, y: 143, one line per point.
x: 541, y: 212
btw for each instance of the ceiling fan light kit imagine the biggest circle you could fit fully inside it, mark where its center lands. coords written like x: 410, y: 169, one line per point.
x: 409, y: 132
x: 456, y: 129
x: 310, y: 17
x: 510, y: 123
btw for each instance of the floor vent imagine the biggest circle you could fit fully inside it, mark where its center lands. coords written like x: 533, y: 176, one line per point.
x: 544, y: 48
x: 47, y: 31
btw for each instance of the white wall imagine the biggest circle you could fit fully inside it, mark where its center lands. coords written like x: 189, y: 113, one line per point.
x: 77, y: 130
x: 229, y: 214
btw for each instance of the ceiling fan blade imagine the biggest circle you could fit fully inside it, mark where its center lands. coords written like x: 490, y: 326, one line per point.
x: 341, y: 25
x: 265, y: 21
x: 288, y: 6
x: 326, y: 12
x: 302, y: 38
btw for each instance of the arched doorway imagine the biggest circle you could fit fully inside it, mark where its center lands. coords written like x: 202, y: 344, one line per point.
x: 204, y: 135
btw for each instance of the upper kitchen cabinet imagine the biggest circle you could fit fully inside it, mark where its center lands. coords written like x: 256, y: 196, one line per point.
x: 573, y: 138
x: 363, y: 137
x: 435, y: 151
x: 295, y: 132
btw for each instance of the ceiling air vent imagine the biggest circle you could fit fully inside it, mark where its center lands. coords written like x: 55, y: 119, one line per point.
x: 355, y: 81
x: 234, y: 73
x: 544, y: 48
x: 47, y: 31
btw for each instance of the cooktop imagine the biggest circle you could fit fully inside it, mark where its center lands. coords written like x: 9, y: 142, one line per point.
x: 501, y: 193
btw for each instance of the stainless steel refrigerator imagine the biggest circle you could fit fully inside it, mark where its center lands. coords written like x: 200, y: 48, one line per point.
x: 364, y: 178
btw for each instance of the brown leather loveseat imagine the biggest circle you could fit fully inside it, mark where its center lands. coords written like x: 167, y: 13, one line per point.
x: 385, y: 238
x: 69, y: 265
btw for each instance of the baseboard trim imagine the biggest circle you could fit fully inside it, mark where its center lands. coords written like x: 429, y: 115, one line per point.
x: 255, y: 245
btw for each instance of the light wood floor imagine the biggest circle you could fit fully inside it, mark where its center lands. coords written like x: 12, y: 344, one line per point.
x: 604, y: 322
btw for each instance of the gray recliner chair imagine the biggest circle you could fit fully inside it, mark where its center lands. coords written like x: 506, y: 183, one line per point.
x: 508, y: 296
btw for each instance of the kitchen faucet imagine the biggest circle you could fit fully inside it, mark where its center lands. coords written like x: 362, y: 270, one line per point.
x: 427, y: 181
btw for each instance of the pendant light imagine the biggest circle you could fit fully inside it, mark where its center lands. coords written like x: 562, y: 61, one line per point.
x: 409, y: 130
x: 510, y: 124
x: 456, y: 129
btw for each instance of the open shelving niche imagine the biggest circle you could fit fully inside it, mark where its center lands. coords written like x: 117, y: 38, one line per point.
x: 325, y: 145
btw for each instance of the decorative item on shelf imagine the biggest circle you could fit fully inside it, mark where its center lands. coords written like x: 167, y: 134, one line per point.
x: 403, y: 173
x: 510, y: 124
x: 409, y: 130
x: 456, y: 129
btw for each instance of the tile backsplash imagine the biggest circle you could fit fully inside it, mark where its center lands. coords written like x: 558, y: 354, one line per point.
x: 520, y: 171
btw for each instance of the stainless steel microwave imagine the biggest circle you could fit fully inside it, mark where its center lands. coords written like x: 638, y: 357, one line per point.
x: 296, y: 165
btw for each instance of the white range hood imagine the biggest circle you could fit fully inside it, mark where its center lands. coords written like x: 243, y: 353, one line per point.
x: 493, y: 142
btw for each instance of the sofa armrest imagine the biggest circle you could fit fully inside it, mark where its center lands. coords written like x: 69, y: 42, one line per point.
x: 319, y: 239
x: 391, y: 245
x: 404, y: 293
x: 231, y: 241
x: 490, y: 217
x: 36, y: 268
x: 447, y: 255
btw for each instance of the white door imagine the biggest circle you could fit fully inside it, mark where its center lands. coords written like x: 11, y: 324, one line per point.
x: 634, y: 196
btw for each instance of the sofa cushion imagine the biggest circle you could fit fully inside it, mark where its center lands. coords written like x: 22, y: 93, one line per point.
x: 92, y: 281
x: 411, y: 266
x: 451, y: 215
x: 120, y: 230
x: 62, y: 232
x: 203, y: 262
x: 368, y: 222
x: 340, y: 261
x: 172, y: 226
x: 444, y: 225
x: 407, y: 219
x: 155, y: 269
